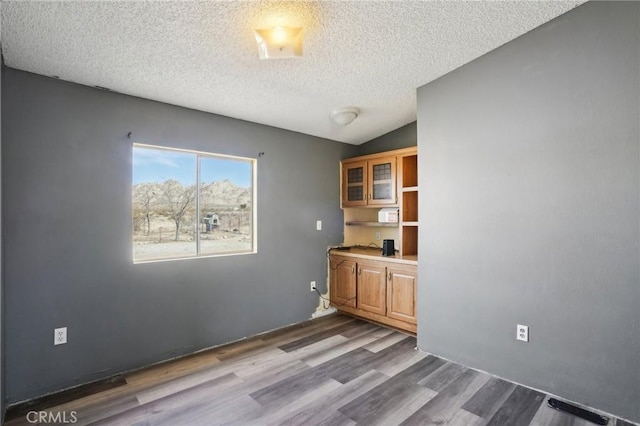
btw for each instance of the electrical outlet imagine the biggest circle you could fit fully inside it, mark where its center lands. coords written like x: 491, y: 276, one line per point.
x: 60, y: 336
x: 313, y: 286
x: 318, y: 225
x: 522, y: 332
x: 378, y: 236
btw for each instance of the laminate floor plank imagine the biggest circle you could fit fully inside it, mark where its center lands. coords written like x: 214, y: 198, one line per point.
x: 315, y: 412
x: 318, y: 347
x: 384, y: 400
x: 274, y: 412
x: 442, y: 377
x: 202, y: 414
x: 398, y: 357
x: 336, y: 370
x: 348, y: 366
x: 361, y: 329
x: 282, y: 337
x: 109, y: 408
x: 386, y: 341
x: 336, y: 419
x: 489, y: 398
x: 183, y: 400
x: 224, y: 401
x: 519, y: 408
x: 464, y: 418
x: 320, y: 335
x: 399, y: 349
x: 268, y: 378
x: 445, y: 405
x: 260, y: 364
x: 170, y: 370
x: 352, y: 343
x: 290, y: 387
x: 180, y: 384
x: 418, y: 371
x: 237, y: 349
x: 253, y: 364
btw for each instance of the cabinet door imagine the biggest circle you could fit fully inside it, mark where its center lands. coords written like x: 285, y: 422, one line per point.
x: 401, y: 293
x: 354, y: 184
x: 342, y: 282
x: 372, y: 284
x: 382, y: 182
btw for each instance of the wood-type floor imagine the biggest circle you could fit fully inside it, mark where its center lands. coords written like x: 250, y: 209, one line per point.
x: 333, y: 371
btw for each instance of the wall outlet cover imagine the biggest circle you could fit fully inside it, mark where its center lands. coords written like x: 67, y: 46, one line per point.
x: 522, y: 332
x: 60, y: 336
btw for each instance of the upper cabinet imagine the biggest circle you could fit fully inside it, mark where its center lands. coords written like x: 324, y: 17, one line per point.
x: 354, y: 183
x: 385, y: 179
x: 369, y: 182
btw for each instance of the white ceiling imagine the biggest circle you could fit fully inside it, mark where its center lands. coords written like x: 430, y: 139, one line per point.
x: 202, y: 55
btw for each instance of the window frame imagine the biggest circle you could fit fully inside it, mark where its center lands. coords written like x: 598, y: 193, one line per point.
x: 198, y: 156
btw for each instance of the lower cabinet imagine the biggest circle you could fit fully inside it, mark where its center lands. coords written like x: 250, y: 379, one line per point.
x: 371, y: 287
x: 401, y: 293
x: 342, y: 282
x: 377, y: 290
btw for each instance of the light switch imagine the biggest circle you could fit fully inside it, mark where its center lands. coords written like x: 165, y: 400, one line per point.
x: 318, y: 225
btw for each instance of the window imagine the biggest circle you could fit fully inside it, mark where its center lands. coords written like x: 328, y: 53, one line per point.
x: 188, y: 204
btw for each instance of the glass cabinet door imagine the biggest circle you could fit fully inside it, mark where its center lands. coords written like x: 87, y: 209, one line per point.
x: 382, y: 182
x: 354, y: 184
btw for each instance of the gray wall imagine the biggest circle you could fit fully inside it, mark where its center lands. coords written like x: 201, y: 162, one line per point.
x: 66, y: 170
x: 529, y: 209
x: 403, y: 137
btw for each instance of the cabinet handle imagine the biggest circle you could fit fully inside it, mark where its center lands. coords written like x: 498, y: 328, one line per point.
x: 353, y: 270
x: 389, y: 276
x: 360, y: 272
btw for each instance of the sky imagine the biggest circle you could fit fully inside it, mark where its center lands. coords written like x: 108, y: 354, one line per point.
x: 158, y: 165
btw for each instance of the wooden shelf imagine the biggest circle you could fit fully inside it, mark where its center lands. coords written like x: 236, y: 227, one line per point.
x: 381, y: 224
x: 410, y: 170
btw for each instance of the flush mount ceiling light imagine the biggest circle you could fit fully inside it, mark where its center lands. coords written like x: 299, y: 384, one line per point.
x: 279, y: 42
x: 344, y: 116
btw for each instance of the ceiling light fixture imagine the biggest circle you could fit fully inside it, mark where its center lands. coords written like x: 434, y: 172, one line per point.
x: 344, y: 116
x: 279, y: 42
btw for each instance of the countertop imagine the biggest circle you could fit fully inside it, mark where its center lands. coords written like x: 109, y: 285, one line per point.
x: 373, y: 253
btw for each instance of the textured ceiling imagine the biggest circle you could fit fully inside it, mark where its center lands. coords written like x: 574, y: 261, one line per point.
x: 202, y: 55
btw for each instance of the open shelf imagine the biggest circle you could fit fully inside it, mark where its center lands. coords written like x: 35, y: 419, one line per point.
x: 409, y: 206
x: 381, y: 224
x: 409, y: 240
x: 409, y: 171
